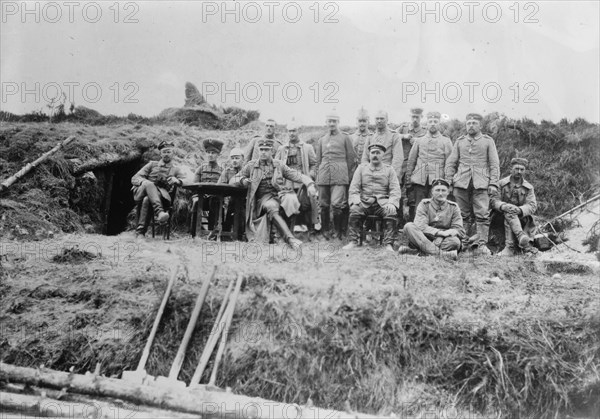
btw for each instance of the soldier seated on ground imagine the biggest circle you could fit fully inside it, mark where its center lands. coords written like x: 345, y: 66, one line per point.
x: 438, y: 227
x: 515, y: 202
x: 375, y: 190
x: 156, y: 180
x: 210, y: 172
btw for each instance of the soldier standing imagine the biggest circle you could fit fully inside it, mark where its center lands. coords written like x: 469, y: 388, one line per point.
x: 228, y: 175
x: 427, y: 159
x: 362, y: 135
x: 251, y: 152
x: 473, y: 168
x: 409, y: 132
x: 335, y: 165
x: 515, y: 201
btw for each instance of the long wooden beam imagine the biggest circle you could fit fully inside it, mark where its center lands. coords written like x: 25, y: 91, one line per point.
x: 209, y: 404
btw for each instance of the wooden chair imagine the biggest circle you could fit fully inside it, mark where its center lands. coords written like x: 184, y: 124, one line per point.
x: 377, y: 223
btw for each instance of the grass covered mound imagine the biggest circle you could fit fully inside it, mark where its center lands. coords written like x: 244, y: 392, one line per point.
x: 564, y: 160
x: 385, y: 335
x: 57, y: 197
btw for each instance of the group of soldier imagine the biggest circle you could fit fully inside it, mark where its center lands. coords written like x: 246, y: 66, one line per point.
x: 348, y: 184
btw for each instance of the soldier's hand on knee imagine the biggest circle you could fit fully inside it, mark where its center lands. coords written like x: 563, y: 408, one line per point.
x: 389, y: 209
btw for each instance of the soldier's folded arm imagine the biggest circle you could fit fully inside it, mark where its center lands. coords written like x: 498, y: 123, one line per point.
x: 355, y: 187
x: 530, y: 206
x: 412, y: 160
x: 142, y: 174
x: 395, y: 190
x: 451, y: 163
x: 494, y: 162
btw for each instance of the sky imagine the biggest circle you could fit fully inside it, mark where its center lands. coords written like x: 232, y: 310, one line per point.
x: 302, y: 60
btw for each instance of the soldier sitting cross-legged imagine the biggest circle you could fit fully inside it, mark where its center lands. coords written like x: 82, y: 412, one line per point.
x: 438, y: 227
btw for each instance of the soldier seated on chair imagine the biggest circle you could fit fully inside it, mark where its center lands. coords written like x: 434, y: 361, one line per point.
x: 265, y: 178
x: 230, y: 175
x: 515, y: 202
x: 438, y: 227
x: 210, y: 172
x: 300, y: 156
x: 375, y: 190
x: 156, y: 180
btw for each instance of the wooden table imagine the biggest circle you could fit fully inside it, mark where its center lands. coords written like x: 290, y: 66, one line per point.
x: 220, y: 191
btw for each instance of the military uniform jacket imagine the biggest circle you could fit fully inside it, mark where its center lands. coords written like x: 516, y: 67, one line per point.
x: 254, y: 171
x: 427, y: 158
x: 393, y: 155
x: 308, y: 157
x: 358, y: 143
x: 158, y: 171
x: 431, y: 217
x: 335, y: 159
x: 228, y: 174
x: 473, y: 159
x: 522, y: 196
x: 370, y: 185
x: 408, y: 143
x: 208, y: 172
x: 251, y: 152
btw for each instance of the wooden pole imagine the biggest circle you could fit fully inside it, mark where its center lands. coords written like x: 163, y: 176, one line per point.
x: 29, y: 166
x: 212, y: 339
x: 572, y: 210
x: 228, y: 319
x: 176, y: 367
x: 209, y: 404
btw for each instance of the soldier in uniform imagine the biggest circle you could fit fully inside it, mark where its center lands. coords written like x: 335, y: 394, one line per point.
x: 335, y: 165
x: 210, y: 172
x: 156, y: 180
x: 265, y: 179
x: 409, y: 132
x: 514, y: 200
x: 473, y: 168
x: 427, y: 158
x: 228, y: 175
x: 438, y: 227
x: 362, y: 135
x: 300, y: 156
x: 375, y: 190
x: 251, y: 152
x: 394, y: 154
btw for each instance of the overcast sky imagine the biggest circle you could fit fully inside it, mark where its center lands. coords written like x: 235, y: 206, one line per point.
x: 533, y: 59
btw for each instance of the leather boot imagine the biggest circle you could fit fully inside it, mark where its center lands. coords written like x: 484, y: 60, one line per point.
x: 325, y: 223
x: 483, y: 233
x: 389, y: 232
x: 354, y: 223
x: 337, y: 224
x: 282, y: 227
x: 345, y: 221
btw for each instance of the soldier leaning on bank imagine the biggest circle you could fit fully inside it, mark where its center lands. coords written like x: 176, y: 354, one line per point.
x: 210, y: 172
x: 515, y: 202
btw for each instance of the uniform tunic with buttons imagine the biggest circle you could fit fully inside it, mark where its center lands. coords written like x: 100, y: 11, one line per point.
x: 408, y: 143
x: 374, y: 185
x: 427, y: 158
x: 431, y: 217
x: 208, y: 172
x: 473, y: 159
x: 335, y: 159
x: 358, y: 142
x: 394, y: 153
